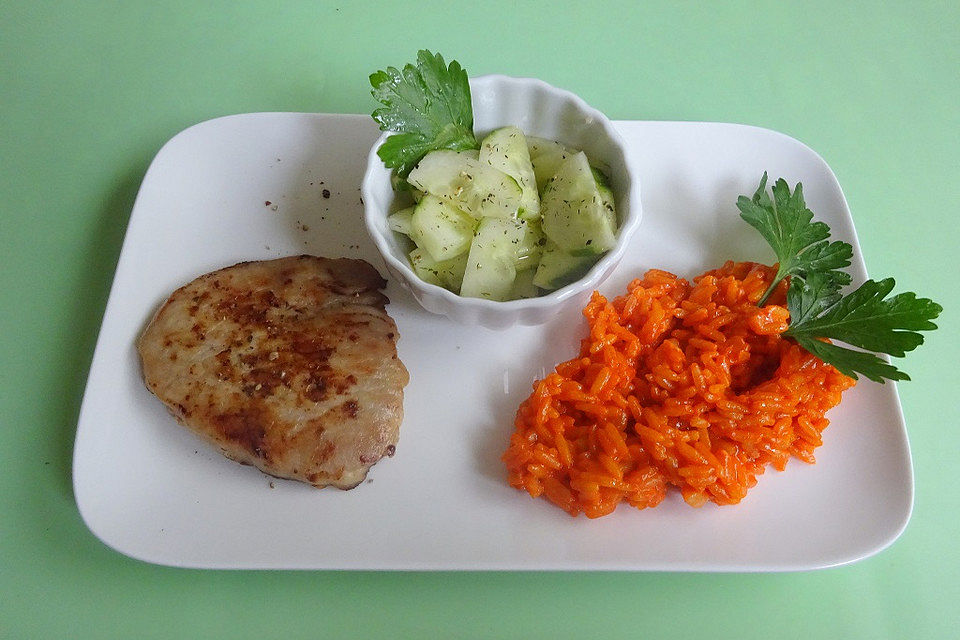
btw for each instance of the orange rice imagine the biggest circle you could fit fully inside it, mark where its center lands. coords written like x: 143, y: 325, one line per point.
x: 676, y: 384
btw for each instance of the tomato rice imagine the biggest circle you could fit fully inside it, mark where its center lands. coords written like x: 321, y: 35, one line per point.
x: 677, y: 384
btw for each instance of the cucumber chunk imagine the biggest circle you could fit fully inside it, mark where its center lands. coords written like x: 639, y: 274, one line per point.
x: 451, y: 271
x: 546, y: 156
x: 506, y: 149
x: 472, y: 186
x: 573, y: 211
x: 609, y: 208
x: 491, y: 264
x: 441, y: 229
x: 558, y: 268
x: 400, y: 221
x: 606, y: 196
x: 523, y: 286
x: 446, y: 273
x: 425, y: 267
x: 529, y: 245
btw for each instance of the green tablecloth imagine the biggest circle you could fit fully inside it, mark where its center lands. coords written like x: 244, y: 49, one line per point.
x: 90, y: 91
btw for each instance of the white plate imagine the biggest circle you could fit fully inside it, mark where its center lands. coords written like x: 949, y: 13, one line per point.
x: 152, y: 490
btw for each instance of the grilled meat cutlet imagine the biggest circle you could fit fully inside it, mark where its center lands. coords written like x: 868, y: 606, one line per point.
x: 289, y: 365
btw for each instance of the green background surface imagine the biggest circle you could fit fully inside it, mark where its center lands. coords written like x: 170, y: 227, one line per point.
x: 90, y: 91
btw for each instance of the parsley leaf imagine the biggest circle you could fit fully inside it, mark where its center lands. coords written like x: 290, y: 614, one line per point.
x: 429, y: 107
x: 849, y: 362
x: 812, y: 296
x: 801, y: 246
x: 865, y: 318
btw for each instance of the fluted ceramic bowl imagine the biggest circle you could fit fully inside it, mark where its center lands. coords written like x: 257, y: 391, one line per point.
x: 538, y: 109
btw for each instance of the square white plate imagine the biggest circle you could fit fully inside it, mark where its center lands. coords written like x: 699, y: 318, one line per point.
x: 252, y: 186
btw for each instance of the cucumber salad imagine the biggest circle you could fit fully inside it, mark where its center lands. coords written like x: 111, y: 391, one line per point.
x: 508, y: 217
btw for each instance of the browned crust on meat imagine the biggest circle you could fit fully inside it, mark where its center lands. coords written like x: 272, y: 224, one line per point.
x: 289, y: 365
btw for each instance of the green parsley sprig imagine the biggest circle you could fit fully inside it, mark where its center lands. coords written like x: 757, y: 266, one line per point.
x: 802, y: 246
x: 428, y: 105
x: 865, y: 318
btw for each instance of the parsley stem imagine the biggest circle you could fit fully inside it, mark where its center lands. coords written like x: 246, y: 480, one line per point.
x: 773, y: 286
x: 767, y: 294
